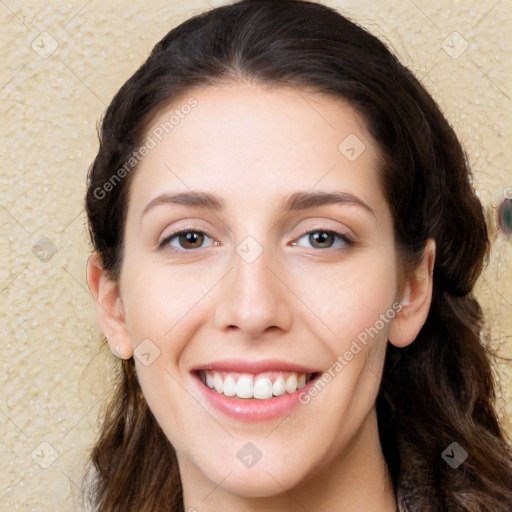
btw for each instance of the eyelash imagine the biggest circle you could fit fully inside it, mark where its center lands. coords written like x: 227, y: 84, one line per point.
x: 348, y: 241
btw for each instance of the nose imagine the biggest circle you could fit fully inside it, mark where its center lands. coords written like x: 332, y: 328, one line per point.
x: 254, y: 299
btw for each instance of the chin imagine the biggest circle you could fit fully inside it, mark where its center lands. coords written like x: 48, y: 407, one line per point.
x: 260, y: 481
x: 256, y: 485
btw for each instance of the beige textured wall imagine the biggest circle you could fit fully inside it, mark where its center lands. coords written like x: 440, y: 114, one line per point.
x: 61, y: 65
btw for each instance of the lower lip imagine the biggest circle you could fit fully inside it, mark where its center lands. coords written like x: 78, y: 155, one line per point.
x: 252, y: 409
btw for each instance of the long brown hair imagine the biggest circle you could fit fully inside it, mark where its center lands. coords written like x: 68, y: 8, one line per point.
x: 437, y: 391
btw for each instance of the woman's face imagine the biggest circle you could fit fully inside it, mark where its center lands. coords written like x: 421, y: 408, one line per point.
x: 258, y: 290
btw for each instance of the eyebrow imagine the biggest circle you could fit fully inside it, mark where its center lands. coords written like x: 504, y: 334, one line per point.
x: 296, y: 201
x: 304, y: 200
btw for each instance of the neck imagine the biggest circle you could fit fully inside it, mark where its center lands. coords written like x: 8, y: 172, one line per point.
x: 358, y: 479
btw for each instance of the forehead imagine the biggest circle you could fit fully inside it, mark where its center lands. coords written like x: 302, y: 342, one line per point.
x: 256, y: 141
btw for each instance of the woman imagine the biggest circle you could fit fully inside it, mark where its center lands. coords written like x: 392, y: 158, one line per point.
x: 286, y: 242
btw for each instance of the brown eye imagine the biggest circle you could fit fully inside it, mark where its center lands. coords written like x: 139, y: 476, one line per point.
x: 185, y: 240
x: 326, y: 239
x: 191, y: 239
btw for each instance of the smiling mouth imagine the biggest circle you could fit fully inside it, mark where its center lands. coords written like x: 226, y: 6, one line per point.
x: 263, y: 386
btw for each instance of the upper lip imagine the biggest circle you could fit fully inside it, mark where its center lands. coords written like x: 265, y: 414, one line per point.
x: 247, y: 366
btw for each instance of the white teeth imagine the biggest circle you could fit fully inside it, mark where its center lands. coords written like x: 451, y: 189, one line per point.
x: 263, y: 388
x: 291, y: 383
x: 246, y: 385
x: 279, y: 388
x: 229, y: 386
x: 217, y: 382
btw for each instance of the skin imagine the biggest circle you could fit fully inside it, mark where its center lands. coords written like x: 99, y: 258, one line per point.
x: 303, y: 303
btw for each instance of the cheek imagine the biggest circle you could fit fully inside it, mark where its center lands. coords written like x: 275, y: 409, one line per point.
x: 158, y: 301
x: 348, y: 298
x: 163, y: 304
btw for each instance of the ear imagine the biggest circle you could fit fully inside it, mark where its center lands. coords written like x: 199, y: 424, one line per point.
x: 416, y: 299
x: 109, y: 308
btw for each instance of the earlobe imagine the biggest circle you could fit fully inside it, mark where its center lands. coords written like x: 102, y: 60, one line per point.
x: 109, y: 308
x: 416, y: 300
